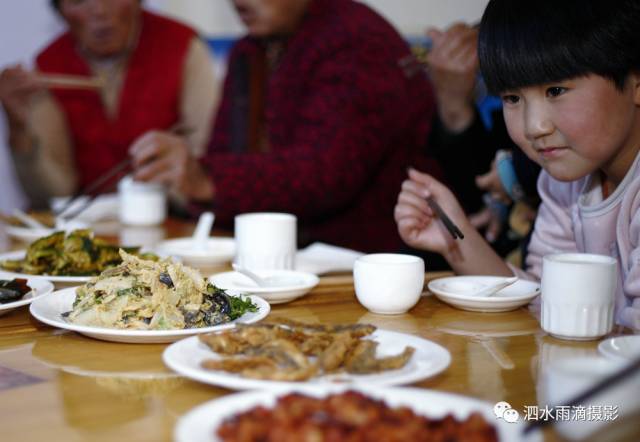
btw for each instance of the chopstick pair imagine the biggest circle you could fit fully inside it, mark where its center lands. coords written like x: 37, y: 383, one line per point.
x: 66, y: 81
x: 451, y: 227
x: 607, y: 382
x: 89, y: 190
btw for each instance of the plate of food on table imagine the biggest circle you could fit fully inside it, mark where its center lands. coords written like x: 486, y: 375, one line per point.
x: 63, y: 257
x: 146, y: 301
x: 277, y: 353
x: 346, y: 413
x: 17, y: 292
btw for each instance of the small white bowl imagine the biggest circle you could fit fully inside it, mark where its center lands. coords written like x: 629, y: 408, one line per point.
x: 388, y: 283
x: 287, y: 285
x: 215, y: 252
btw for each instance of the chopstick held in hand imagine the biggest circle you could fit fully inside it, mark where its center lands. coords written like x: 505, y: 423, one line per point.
x: 451, y: 227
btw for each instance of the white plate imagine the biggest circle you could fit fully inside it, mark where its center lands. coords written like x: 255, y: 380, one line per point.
x: 20, y: 254
x: 458, y: 292
x: 201, y: 423
x: 217, y: 251
x: 621, y: 347
x: 27, y: 234
x: 288, y: 284
x: 429, y: 359
x: 39, y: 287
x: 49, y: 309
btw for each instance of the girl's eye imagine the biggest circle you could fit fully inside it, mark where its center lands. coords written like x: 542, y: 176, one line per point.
x: 510, y: 99
x: 556, y: 91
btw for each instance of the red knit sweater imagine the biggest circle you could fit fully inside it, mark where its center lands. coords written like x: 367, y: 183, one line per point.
x: 343, y: 122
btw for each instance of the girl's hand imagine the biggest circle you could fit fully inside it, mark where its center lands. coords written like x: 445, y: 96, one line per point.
x: 417, y: 224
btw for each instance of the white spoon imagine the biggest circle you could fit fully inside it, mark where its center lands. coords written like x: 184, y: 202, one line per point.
x: 200, y: 236
x: 493, y: 289
x: 252, y: 276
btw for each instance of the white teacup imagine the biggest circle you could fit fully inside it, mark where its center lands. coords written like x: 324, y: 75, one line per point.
x: 578, y: 295
x: 565, y: 379
x: 266, y: 241
x: 141, y: 204
x: 388, y: 283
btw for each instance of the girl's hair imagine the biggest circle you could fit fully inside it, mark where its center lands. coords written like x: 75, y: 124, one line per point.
x: 523, y: 43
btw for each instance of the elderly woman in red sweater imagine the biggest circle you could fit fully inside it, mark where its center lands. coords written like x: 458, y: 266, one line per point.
x: 318, y: 118
x: 154, y: 71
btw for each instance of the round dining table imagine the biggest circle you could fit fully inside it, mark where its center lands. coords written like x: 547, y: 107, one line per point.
x: 59, y: 385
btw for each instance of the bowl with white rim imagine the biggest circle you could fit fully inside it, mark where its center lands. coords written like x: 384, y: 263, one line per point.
x: 215, y: 251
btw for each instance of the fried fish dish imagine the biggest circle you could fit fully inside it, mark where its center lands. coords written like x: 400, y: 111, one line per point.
x: 295, y: 351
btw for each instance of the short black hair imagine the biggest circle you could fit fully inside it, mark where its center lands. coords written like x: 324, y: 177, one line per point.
x: 523, y: 43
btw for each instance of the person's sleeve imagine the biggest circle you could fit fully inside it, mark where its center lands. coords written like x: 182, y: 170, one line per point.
x: 464, y: 155
x: 47, y: 169
x: 628, y: 309
x: 200, y: 95
x: 352, y: 113
x: 553, y: 231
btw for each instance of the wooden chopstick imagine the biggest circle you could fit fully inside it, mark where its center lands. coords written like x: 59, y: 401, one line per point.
x: 70, y: 81
x: 607, y: 382
x: 91, y: 188
x: 451, y: 227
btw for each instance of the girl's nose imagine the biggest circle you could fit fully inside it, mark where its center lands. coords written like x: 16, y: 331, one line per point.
x: 537, y: 122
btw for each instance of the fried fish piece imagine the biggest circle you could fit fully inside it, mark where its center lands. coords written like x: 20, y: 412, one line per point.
x: 362, y: 359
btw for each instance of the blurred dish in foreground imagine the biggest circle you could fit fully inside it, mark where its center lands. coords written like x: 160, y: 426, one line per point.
x: 283, y: 285
x: 458, y: 291
x: 621, y: 347
x: 38, y: 287
x: 203, y: 423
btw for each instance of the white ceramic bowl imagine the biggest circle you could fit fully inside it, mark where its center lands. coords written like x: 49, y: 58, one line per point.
x: 564, y: 379
x: 388, y: 283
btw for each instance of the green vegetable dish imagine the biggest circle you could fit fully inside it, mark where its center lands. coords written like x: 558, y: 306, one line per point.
x: 76, y: 254
x: 147, y: 295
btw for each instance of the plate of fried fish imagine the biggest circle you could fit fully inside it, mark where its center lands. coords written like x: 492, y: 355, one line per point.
x: 285, y: 353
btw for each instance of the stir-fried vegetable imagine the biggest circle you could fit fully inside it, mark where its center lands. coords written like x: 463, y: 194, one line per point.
x: 148, y: 295
x: 76, y: 254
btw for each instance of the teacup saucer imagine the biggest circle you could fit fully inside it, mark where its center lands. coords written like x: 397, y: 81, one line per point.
x: 286, y: 285
x: 458, y: 291
x: 620, y: 347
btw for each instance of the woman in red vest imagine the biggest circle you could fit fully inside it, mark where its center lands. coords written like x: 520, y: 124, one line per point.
x: 320, y: 117
x: 155, y: 74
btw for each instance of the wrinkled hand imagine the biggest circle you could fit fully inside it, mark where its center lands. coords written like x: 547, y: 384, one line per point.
x: 17, y: 86
x: 163, y: 157
x: 417, y: 224
x: 453, y: 67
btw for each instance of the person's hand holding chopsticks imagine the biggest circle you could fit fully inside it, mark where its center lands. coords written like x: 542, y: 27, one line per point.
x: 164, y: 157
x: 429, y: 217
x: 17, y: 87
x: 426, y: 225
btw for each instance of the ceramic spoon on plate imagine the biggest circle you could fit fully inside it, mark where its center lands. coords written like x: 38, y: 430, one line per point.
x: 495, y: 288
x: 200, y: 236
x: 252, y: 276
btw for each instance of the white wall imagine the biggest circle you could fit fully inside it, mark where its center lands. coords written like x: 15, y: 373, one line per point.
x: 216, y: 17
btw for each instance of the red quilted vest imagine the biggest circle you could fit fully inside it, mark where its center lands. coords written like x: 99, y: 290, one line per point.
x: 149, y: 97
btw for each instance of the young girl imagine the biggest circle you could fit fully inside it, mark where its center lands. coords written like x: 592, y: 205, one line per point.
x: 569, y: 76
